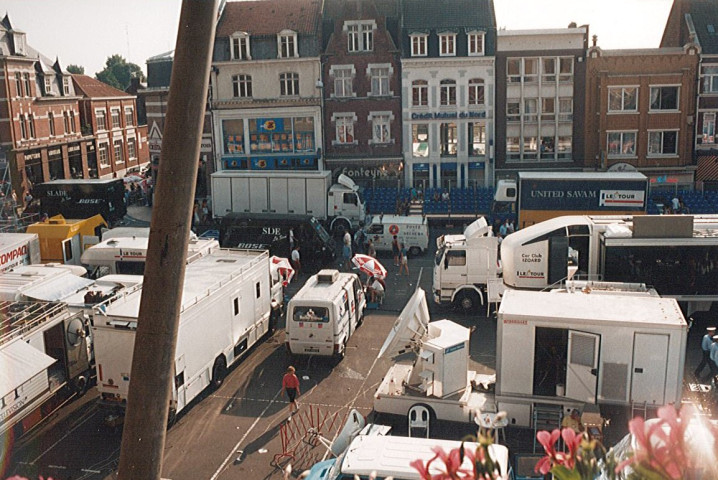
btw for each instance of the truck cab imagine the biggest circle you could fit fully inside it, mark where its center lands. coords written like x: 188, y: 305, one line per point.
x: 464, y: 265
x: 345, y: 205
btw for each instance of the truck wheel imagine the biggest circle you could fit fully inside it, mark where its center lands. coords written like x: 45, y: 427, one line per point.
x: 467, y: 301
x: 340, y: 227
x: 415, y: 251
x: 219, y: 371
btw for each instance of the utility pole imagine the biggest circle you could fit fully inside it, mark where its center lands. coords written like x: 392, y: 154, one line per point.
x: 145, y: 428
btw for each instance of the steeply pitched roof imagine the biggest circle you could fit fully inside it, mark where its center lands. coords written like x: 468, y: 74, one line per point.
x: 438, y: 14
x: 91, y: 88
x: 705, y: 18
x: 269, y: 17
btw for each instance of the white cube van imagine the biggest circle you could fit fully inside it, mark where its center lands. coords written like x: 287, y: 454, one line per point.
x: 411, y: 230
x: 324, y: 314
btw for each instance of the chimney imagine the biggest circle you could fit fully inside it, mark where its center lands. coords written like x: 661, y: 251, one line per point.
x: 595, y: 39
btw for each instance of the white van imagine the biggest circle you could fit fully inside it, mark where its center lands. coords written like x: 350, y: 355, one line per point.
x: 411, y: 230
x: 324, y: 314
x: 391, y: 456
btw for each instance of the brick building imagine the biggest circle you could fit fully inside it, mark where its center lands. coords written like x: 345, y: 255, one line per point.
x: 110, y: 115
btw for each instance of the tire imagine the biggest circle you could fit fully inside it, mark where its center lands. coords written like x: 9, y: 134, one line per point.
x: 343, y: 353
x: 415, y: 251
x: 467, y: 301
x: 219, y: 371
x: 340, y: 227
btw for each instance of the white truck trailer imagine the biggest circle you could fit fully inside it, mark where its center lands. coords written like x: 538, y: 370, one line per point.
x: 226, y: 308
x: 18, y: 249
x: 572, y: 348
x: 437, y: 377
x: 465, y: 265
x: 340, y: 206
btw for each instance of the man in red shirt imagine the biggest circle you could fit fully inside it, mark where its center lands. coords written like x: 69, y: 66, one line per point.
x: 290, y: 384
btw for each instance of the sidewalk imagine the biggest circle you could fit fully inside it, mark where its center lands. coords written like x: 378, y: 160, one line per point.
x: 139, y: 213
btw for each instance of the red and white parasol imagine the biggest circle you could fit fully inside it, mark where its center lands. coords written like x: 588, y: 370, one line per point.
x: 283, y: 268
x: 369, y: 265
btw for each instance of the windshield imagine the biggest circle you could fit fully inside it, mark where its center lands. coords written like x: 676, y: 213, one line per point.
x: 361, y: 196
x: 320, y: 230
x: 303, y: 313
x: 439, y: 255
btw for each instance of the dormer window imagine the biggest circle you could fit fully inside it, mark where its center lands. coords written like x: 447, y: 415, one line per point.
x: 418, y: 44
x: 360, y: 35
x: 65, y: 86
x: 447, y: 44
x: 476, y: 43
x: 239, y: 45
x: 48, y: 85
x: 18, y: 39
x: 287, y: 44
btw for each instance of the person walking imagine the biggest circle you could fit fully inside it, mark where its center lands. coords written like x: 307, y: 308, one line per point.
x: 347, y: 255
x: 370, y: 250
x: 359, y: 240
x: 290, y: 386
x: 395, y: 250
x: 706, y: 342
x: 404, y: 260
x: 296, y: 260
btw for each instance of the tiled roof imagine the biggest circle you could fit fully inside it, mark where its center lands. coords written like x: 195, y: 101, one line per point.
x: 91, y: 88
x: 428, y: 14
x: 705, y: 18
x: 269, y: 17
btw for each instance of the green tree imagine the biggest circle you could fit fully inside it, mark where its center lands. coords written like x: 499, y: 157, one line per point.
x: 118, y: 72
x: 76, y: 69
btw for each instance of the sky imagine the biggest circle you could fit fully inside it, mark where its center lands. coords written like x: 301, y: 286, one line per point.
x: 87, y: 32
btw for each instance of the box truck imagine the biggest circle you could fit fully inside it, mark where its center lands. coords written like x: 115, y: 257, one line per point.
x: 411, y: 230
x: 340, y: 206
x: 18, y: 249
x: 226, y: 308
x: 465, y: 265
x: 537, y: 196
x: 672, y: 253
x: 571, y: 348
x: 63, y: 241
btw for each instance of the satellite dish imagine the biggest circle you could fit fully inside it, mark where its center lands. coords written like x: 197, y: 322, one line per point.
x: 75, y: 332
x: 409, y: 328
x: 352, y: 427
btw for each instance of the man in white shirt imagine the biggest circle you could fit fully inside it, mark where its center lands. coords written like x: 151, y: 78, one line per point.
x: 376, y: 289
x: 296, y: 262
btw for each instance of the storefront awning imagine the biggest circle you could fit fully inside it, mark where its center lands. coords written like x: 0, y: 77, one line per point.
x: 707, y: 168
x: 58, y: 288
x: 20, y: 363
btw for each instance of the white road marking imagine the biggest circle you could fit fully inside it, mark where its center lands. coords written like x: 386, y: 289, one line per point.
x: 59, y: 467
x: 87, y: 470
x: 61, y: 439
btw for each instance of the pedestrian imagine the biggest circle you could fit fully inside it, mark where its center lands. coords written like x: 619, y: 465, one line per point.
x: 713, y: 364
x: 291, y: 239
x: 290, y: 385
x: 675, y: 204
x: 347, y: 255
x: 28, y: 199
x: 395, y: 250
x: 195, y: 214
x: 359, y: 239
x: 348, y: 238
x: 510, y: 227
x: 296, y: 260
x: 706, y: 342
x: 376, y: 289
x: 370, y: 250
x: 504, y: 228
x: 573, y: 421
x: 403, y: 258
x: 205, y: 212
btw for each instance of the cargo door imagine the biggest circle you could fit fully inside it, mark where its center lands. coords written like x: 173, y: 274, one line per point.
x: 258, y: 195
x: 240, y: 195
x: 297, y: 196
x: 317, y: 198
x: 72, y: 250
x: 582, y: 366
x: 650, y: 357
x: 222, y: 196
x: 558, y: 259
x: 278, y: 200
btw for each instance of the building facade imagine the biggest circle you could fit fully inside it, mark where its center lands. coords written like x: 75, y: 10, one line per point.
x: 540, y: 97
x: 640, y: 112
x: 362, y: 91
x: 266, y: 107
x: 447, y: 88
x: 110, y: 115
x: 41, y: 138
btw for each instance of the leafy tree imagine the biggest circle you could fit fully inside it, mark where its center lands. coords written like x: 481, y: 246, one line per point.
x: 76, y: 69
x: 118, y: 72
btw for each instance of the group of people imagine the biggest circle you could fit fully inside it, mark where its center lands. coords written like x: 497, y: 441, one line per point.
x: 676, y: 206
x: 709, y: 350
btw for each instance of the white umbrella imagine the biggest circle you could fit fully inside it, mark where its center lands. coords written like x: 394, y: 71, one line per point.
x: 132, y: 178
x: 369, y: 265
x: 283, y: 267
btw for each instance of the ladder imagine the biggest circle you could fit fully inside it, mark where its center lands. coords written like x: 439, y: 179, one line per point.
x: 546, y: 417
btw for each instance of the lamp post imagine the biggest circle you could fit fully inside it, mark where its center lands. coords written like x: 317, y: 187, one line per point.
x: 320, y: 86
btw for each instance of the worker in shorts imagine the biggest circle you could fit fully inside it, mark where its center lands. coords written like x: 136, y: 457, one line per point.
x: 290, y: 385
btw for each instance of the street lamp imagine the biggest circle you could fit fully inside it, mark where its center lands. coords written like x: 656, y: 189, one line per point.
x: 320, y: 86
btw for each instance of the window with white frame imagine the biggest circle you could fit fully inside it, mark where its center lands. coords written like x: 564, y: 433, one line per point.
x: 418, y: 44
x: 420, y: 139
x: 513, y: 70
x: 379, y: 80
x: 622, y: 99
x: 18, y: 84
x: 131, y: 148
x: 51, y: 122
x: 710, y: 79
x: 381, y: 127
x: 476, y: 91
x: 117, y: 147
x: 242, y: 86
x: 447, y: 44
x: 289, y: 84
x: 530, y: 147
x: 103, y: 154
x: 449, y: 138
x: 31, y: 122
x: 26, y: 81
x: 115, y: 115
x: 419, y: 93
x: 66, y: 122
x: 663, y: 142
x: 548, y: 108
x: 447, y: 90
x: 360, y: 35
x: 239, y: 46
x: 548, y: 70
x: 530, y: 73
x: 73, y: 127
x: 513, y: 110
x: 548, y: 146
x: 343, y: 80
x: 565, y: 73
x: 476, y: 43
x: 23, y: 127
x: 100, y: 120
x: 664, y: 98
x: 565, y: 109
x: 621, y: 144
x: 65, y: 86
x: 287, y: 43
x: 344, y: 128
x: 564, y: 147
x: 48, y: 85
x: 129, y: 116
x: 513, y: 148
x: 709, y: 128
x: 477, y: 139
x: 531, y: 109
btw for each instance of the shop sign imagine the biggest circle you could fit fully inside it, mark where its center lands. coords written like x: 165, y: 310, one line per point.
x: 33, y: 156
x: 73, y: 148
x: 367, y: 172
x: 444, y: 115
